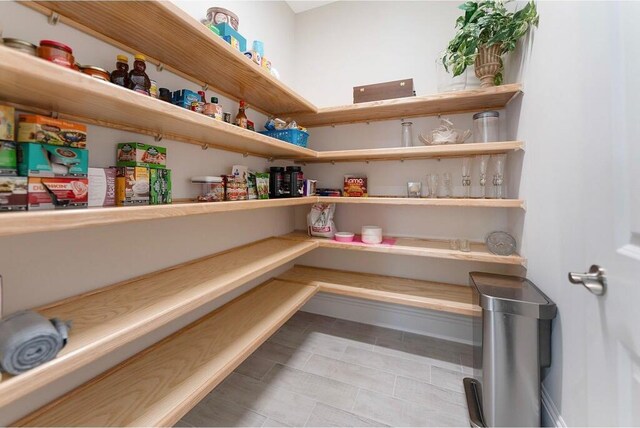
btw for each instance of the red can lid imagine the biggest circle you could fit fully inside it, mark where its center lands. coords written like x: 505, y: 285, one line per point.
x: 54, y: 44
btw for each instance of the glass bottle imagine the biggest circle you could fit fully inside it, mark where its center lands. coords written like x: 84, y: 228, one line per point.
x: 484, y: 163
x: 498, y: 176
x: 217, y: 113
x: 466, y: 177
x: 120, y: 76
x: 447, y: 190
x: 241, y: 117
x: 138, y: 79
x: 407, y: 134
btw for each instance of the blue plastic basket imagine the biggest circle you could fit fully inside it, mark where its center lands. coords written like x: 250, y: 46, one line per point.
x: 293, y: 136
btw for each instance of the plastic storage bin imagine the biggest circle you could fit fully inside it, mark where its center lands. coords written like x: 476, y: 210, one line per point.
x: 293, y: 136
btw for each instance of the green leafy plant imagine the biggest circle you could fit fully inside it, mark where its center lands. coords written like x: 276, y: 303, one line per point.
x: 487, y: 23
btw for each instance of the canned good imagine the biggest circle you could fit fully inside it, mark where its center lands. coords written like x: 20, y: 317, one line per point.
x: 96, y: 72
x: 226, y: 116
x: 56, y: 52
x: 153, y: 90
x: 21, y: 45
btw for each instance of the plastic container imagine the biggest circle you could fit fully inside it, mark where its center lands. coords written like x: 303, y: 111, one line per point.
x: 371, y: 234
x: 293, y: 136
x: 294, y: 181
x: 56, y: 52
x: 21, y: 45
x: 485, y: 127
x: 276, y: 183
x: 344, y: 236
x: 211, y: 188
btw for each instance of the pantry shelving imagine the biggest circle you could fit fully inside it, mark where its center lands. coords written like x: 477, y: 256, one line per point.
x: 434, y: 248
x: 425, y: 202
x: 105, y: 319
x: 19, y: 223
x: 428, y: 105
x: 159, y: 385
x: 33, y: 82
x: 169, y: 36
x: 437, y: 296
x: 410, y: 153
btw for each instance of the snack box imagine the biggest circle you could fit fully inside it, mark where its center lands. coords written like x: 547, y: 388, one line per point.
x: 184, y: 98
x: 46, y: 130
x: 159, y: 186
x: 57, y: 193
x: 7, y: 123
x: 227, y: 30
x: 102, y: 187
x: 132, y: 185
x: 13, y: 193
x: 8, y: 158
x: 46, y: 160
x: 139, y: 154
x: 355, y: 186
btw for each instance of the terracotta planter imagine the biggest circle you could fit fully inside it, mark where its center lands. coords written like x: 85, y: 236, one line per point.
x: 487, y: 64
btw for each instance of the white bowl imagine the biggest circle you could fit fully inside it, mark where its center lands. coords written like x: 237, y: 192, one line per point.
x: 371, y: 234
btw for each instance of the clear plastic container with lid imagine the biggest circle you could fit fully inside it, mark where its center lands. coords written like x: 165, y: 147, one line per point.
x: 211, y: 188
x: 486, y: 127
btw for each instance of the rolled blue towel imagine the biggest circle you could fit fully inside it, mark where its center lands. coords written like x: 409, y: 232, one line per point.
x: 27, y: 340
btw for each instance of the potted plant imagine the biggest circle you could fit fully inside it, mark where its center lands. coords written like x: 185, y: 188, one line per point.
x: 486, y: 31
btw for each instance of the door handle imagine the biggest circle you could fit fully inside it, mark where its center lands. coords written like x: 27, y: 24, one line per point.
x: 595, y: 280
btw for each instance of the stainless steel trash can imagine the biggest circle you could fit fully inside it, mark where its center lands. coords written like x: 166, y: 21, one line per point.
x: 512, y: 341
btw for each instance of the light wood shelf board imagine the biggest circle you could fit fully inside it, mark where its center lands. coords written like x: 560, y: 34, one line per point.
x: 108, y: 318
x: 434, y: 248
x: 436, y: 202
x: 161, y: 384
x: 18, y: 223
x: 428, y: 105
x: 31, y: 81
x: 458, y: 299
x: 411, y: 153
x: 163, y: 31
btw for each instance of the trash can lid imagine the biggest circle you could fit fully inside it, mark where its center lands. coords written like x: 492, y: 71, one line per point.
x: 512, y: 294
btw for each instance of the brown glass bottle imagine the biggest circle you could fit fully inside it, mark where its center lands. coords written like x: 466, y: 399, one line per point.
x: 138, y: 79
x: 241, y: 117
x: 120, y: 76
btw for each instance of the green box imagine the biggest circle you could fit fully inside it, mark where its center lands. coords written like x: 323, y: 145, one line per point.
x: 159, y: 186
x: 8, y: 158
x: 46, y: 160
x: 140, y: 154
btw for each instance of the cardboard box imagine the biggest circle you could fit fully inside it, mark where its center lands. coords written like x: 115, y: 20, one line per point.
x: 355, y: 186
x: 184, y: 98
x: 102, y: 187
x: 7, y: 123
x: 13, y: 193
x: 46, y: 130
x: 46, y: 160
x: 227, y: 32
x: 8, y: 158
x: 159, y: 186
x: 132, y: 185
x: 139, y: 154
x: 57, y: 193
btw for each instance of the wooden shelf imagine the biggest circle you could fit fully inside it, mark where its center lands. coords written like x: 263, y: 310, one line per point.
x: 435, y: 248
x: 435, y: 202
x: 18, y: 223
x: 409, y: 153
x: 33, y: 82
x: 161, y: 384
x: 113, y: 316
x: 437, y: 296
x: 168, y: 35
x: 429, y: 105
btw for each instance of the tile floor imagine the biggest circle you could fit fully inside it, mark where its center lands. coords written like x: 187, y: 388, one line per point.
x: 321, y: 371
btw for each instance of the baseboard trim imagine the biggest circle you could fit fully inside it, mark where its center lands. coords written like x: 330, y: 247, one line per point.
x: 443, y: 325
x: 550, y: 411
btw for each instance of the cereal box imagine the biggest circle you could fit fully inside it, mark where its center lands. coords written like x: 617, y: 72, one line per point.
x: 13, y: 193
x: 132, y: 185
x: 102, y: 187
x: 46, y: 160
x: 46, y: 130
x: 8, y: 158
x: 57, y: 193
x: 355, y: 186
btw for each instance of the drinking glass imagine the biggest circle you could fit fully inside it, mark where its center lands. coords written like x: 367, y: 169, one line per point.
x: 498, y: 176
x: 484, y: 162
x: 454, y: 244
x: 466, y: 177
x: 432, y: 183
x: 407, y: 134
x: 446, y: 185
x: 464, y: 245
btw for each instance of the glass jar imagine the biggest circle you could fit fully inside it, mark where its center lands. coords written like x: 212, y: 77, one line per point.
x: 20, y: 45
x: 56, y: 52
x: 96, y: 72
x: 211, y: 188
x: 407, y: 134
x: 485, y: 127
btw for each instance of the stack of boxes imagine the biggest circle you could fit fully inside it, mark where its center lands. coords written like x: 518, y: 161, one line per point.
x: 141, y: 175
x: 52, y: 154
x: 13, y: 190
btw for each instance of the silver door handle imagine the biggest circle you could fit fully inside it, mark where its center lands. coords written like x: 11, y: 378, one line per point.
x: 595, y: 280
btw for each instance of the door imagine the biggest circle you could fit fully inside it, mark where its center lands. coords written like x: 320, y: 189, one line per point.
x: 612, y: 220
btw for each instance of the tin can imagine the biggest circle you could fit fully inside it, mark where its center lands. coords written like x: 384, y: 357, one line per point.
x: 153, y: 90
x: 227, y: 117
x: 21, y: 45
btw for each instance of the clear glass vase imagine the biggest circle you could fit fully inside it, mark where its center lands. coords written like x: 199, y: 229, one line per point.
x: 407, y: 134
x: 466, y: 177
x: 498, y: 176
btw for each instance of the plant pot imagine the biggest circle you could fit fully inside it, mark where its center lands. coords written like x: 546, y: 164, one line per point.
x: 487, y: 64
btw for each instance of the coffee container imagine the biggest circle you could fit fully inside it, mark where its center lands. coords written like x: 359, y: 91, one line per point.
x: 277, y: 183
x: 294, y: 182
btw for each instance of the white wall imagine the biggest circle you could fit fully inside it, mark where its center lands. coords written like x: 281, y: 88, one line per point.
x: 45, y: 267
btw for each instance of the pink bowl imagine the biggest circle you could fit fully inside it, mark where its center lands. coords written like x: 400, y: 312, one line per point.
x: 344, y: 236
